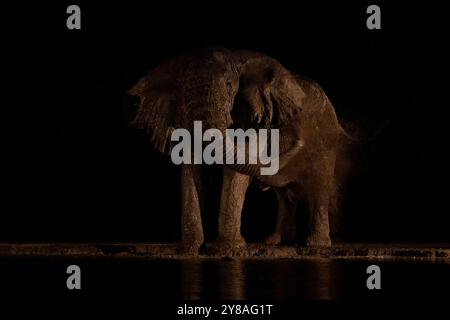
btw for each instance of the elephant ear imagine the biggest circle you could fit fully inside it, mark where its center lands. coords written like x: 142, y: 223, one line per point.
x: 160, y: 98
x: 286, y: 96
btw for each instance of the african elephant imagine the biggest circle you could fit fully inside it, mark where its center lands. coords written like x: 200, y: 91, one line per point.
x: 225, y: 88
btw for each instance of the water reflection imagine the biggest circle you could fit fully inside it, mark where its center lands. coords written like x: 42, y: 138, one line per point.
x: 191, y: 279
x: 260, y: 279
x: 232, y: 277
x: 323, y: 283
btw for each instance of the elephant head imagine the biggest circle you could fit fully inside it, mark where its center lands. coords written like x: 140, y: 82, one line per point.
x: 211, y: 85
x: 269, y: 96
x: 197, y: 86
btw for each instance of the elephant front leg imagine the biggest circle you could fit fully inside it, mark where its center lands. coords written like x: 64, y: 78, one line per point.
x: 191, y: 221
x: 285, y: 229
x: 232, y: 198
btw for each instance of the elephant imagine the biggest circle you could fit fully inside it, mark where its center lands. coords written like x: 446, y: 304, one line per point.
x: 226, y: 88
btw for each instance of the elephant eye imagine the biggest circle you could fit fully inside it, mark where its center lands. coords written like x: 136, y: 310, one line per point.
x: 229, y: 87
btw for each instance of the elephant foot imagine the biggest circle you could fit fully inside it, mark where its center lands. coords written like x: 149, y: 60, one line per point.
x: 276, y: 238
x: 190, y: 248
x: 227, y: 247
x: 273, y: 239
x: 316, y: 239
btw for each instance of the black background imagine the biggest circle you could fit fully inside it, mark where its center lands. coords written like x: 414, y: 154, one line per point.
x: 75, y: 171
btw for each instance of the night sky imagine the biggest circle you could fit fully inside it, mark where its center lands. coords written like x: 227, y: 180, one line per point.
x: 75, y: 171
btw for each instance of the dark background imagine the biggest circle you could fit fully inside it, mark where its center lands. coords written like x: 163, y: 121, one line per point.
x: 75, y: 171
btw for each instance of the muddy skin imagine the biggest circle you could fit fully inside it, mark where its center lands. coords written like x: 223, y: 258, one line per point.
x: 231, y: 88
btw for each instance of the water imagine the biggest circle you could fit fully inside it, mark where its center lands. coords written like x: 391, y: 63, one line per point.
x: 229, y: 279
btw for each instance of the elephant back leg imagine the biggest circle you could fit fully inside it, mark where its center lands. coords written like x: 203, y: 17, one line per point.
x: 285, y: 229
x: 319, y: 188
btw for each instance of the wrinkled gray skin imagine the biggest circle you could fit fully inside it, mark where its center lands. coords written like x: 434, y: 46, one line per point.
x: 217, y: 86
